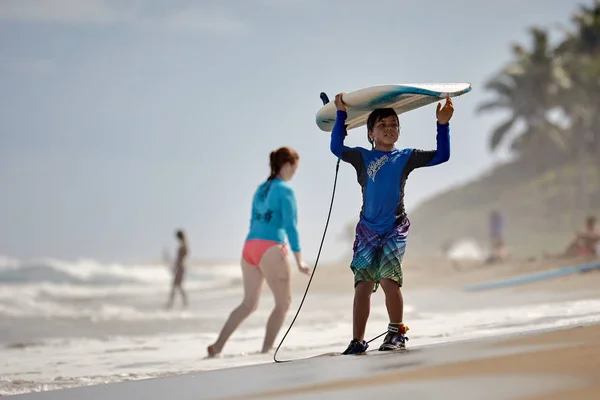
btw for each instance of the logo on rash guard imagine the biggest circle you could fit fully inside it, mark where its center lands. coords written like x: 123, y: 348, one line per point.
x: 375, y: 165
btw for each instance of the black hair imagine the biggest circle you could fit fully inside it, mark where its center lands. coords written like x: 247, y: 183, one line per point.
x: 377, y: 115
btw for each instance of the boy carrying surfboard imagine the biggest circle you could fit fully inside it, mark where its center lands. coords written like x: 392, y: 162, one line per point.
x: 383, y: 225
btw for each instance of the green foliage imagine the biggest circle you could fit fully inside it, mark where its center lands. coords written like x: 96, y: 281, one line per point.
x: 541, y: 209
x: 546, y: 81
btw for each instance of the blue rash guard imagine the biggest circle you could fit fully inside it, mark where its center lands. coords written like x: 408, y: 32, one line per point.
x: 382, y: 174
x: 274, y: 213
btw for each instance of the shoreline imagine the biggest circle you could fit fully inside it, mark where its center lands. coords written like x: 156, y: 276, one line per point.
x: 435, y: 288
x: 542, y: 364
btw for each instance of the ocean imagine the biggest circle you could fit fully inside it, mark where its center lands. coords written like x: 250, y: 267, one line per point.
x: 76, y: 323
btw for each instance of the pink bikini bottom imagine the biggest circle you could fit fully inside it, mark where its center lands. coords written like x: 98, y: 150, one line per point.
x: 254, y: 249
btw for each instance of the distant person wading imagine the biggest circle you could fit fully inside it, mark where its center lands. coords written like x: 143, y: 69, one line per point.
x: 179, y: 270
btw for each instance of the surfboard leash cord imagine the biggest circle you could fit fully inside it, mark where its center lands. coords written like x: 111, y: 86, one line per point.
x: 325, y: 100
x: 337, y: 167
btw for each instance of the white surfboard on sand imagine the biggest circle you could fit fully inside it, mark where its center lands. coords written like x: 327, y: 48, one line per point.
x: 401, y: 97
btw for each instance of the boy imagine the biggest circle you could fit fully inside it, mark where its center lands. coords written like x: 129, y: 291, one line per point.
x: 383, y: 226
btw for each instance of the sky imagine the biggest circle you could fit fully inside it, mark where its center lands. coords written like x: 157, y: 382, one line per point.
x: 123, y: 120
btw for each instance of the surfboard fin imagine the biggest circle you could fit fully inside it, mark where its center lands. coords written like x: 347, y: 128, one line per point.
x: 324, y: 98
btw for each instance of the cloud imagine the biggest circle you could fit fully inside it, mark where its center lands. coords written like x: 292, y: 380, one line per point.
x: 197, y: 20
x: 132, y: 13
x: 59, y: 11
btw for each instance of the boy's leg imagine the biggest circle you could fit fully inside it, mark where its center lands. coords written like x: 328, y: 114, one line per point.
x: 362, y: 308
x: 364, y: 284
x: 393, y: 300
x: 391, y: 280
x: 363, y: 287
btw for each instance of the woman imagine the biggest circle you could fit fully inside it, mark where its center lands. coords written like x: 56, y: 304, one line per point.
x: 264, y: 256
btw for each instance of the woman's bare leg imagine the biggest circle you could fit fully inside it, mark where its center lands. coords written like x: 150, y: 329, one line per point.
x: 253, y: 280
x: 276, y: 269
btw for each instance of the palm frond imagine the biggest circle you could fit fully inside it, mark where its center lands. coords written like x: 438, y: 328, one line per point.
x: 499, y: 133
x: 492, y: 105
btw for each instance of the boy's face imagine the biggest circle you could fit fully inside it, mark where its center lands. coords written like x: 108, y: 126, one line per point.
x: 386, y: 131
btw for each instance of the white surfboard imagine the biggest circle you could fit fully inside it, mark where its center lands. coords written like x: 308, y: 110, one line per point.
x: 401, y: 97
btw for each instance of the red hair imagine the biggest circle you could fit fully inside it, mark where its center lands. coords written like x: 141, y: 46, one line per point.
x: 280, y: 157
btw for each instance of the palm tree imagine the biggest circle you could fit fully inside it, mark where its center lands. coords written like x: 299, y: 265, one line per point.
x: 527, y: 88
x: 579, y: 57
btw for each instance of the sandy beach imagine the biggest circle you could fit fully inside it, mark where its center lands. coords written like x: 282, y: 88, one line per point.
x: 568, y: 358
x: 551, y: 365
x: 532, y: 341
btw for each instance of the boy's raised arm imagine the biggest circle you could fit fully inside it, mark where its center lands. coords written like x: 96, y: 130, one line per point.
x: 338, y: 133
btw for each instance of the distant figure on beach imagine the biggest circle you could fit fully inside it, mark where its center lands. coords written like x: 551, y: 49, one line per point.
x: 179, y: 270
x: 264, y: 256
x: 497, y: 245
x: 585, y: 243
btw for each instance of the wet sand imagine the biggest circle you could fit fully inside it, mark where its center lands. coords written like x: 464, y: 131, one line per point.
x: 555, y: 364
x: 552, y: 365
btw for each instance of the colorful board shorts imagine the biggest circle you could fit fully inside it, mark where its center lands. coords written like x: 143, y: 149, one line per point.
x: 379, y: 256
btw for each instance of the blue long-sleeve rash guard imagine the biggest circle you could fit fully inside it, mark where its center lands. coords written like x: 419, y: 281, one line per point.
x: 274, y: 214
x: 382, y: 174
